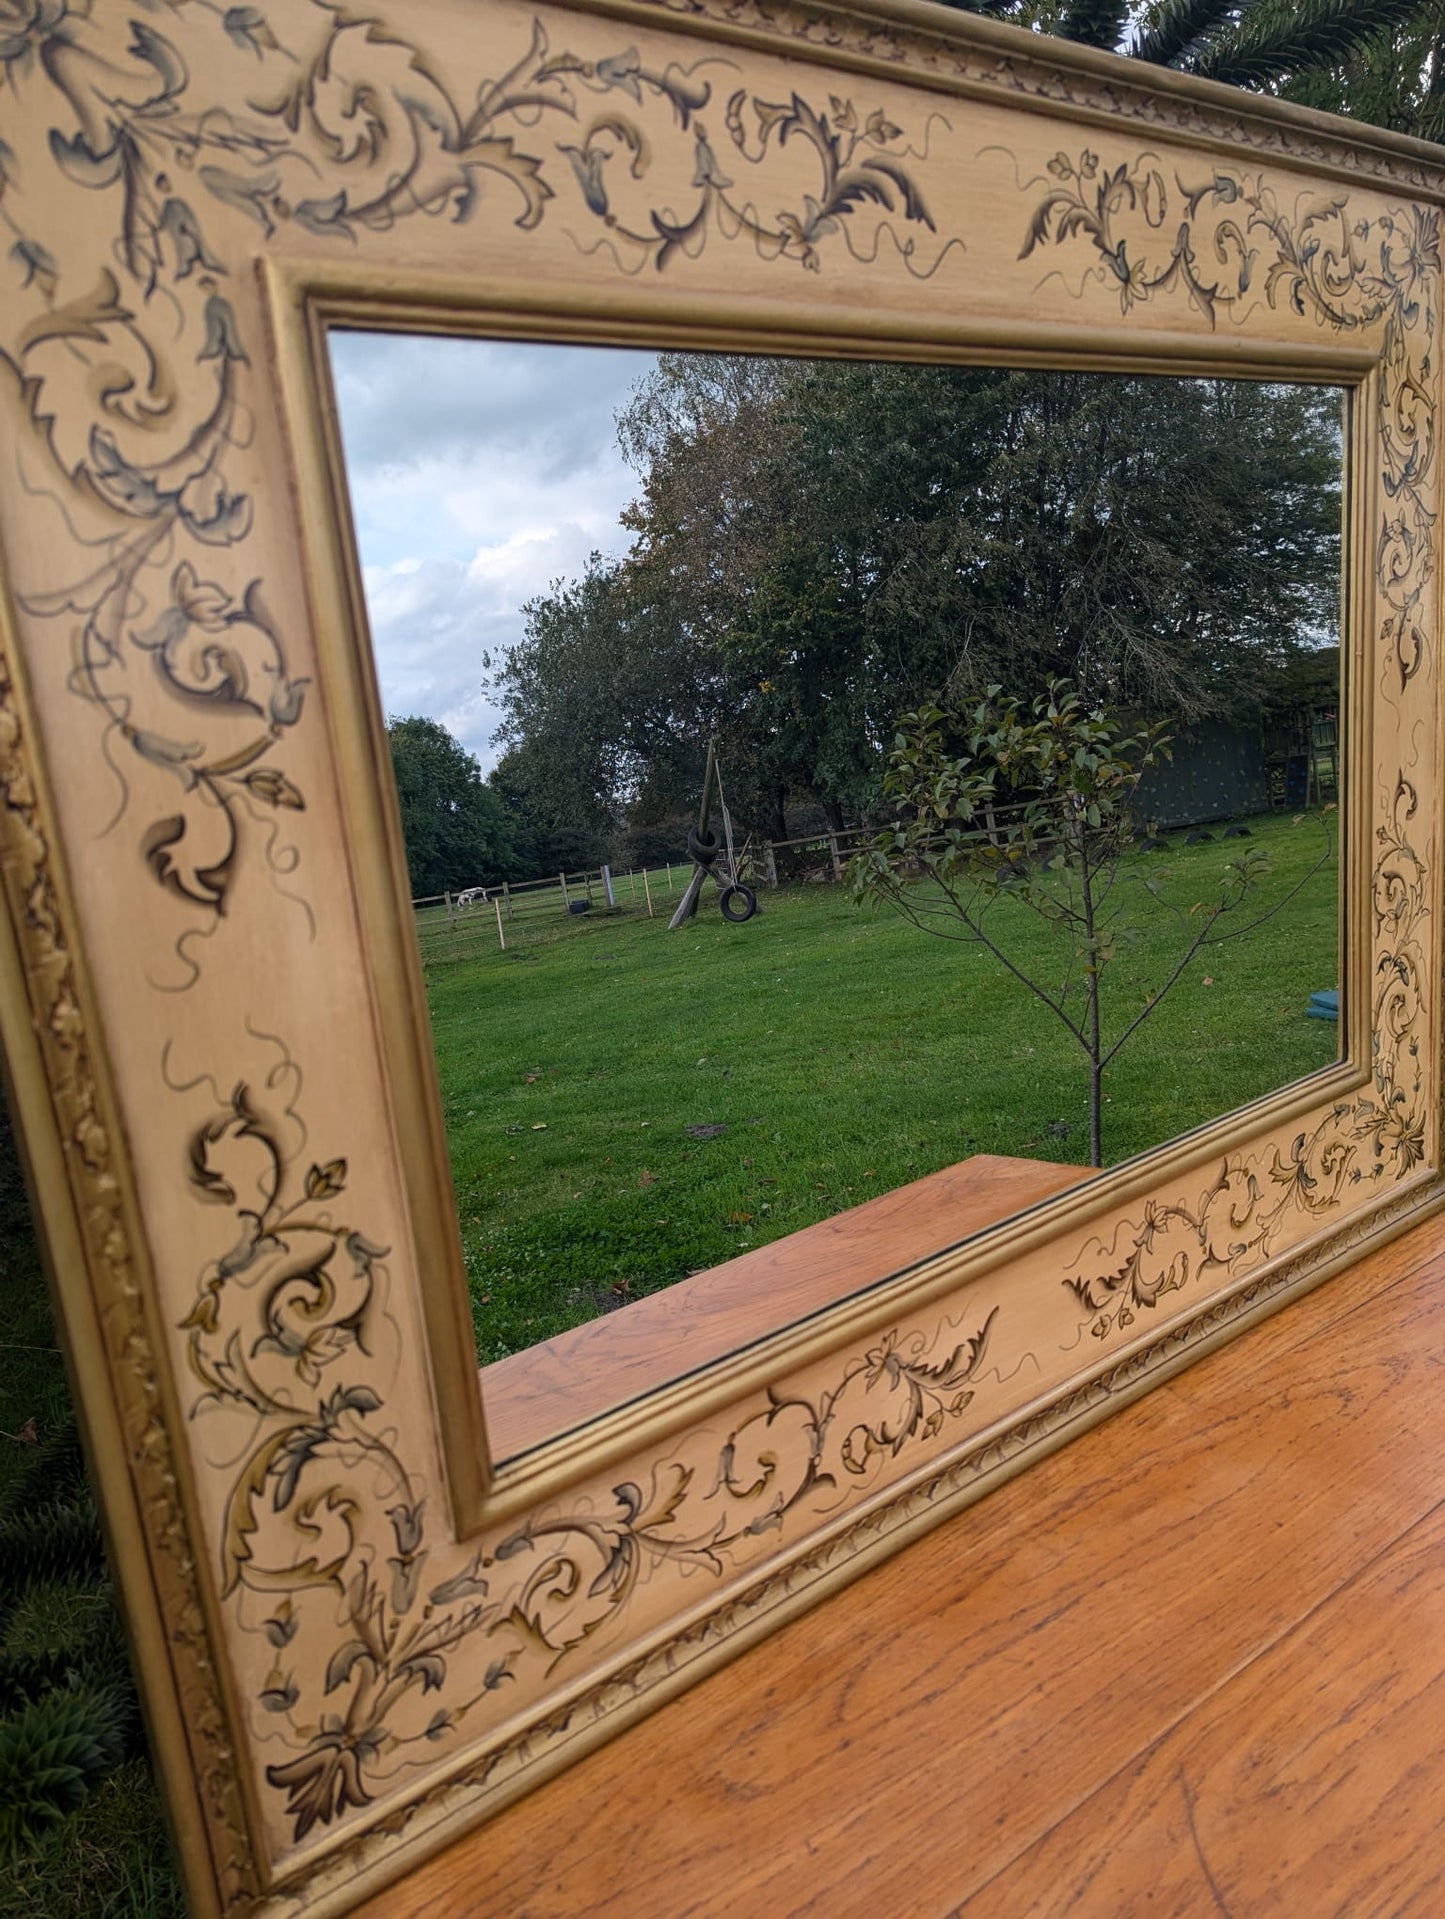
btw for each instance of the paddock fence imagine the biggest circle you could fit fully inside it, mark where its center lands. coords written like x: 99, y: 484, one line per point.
x: 458, y: 925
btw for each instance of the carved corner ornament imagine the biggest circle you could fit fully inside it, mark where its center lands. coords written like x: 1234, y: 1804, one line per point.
x: 348, y: 1658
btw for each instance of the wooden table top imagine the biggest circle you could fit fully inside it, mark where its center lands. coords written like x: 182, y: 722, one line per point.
x: 1193, y: 1663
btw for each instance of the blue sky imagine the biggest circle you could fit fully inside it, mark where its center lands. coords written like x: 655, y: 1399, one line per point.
x: 480, y: 471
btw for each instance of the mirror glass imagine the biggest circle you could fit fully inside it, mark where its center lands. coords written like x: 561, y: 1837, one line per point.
x: 992, y: 718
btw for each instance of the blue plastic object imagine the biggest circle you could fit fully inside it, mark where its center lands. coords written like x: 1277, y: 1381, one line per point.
x: 1325, y: 1004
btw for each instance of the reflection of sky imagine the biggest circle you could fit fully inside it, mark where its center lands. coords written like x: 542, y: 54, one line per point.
x: 480, y: 472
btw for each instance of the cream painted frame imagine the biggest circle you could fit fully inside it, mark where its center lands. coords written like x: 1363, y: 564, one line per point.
x: 354, y: 1638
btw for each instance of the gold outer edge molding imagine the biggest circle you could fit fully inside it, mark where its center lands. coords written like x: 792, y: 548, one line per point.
x: 918, y: 44
x: 122, y: 1516
x: 86, y: 1221
x: 445, y: 1810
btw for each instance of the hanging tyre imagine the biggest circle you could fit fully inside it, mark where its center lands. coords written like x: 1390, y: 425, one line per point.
x: 738, y: 903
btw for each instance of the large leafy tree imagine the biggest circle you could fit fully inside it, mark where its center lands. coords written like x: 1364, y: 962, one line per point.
x: 708, y: 436
x: 546, y: 841
x: 819, y: 546
x: 603, y: 697
x: 458, y: 831
x: 1165, y: 544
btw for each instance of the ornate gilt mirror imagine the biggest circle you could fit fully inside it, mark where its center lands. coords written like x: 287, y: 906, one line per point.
x: 638, y: 546
x: 366, y: 1610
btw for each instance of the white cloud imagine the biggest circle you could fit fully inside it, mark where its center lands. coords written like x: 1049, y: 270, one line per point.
x: 480, y: 472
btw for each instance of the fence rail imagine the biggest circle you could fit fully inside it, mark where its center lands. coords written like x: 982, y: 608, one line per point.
x: 452, y: 925
x: 449, y: 924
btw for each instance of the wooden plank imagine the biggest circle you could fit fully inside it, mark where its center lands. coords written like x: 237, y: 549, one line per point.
x: 901, y: 1746
x: 687, y: 905
x: 1310, y: 1783
x: 562, y: 1382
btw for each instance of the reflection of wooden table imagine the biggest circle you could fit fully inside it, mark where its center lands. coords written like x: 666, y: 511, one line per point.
x: 564, y: 1381
x: 1192, y: 1663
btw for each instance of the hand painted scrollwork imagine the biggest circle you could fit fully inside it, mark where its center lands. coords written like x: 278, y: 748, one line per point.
x: 322, y: 1513
x: 350, y: 129
x: 381, y: 1637
x: 1153, y: 239
x: 173, y: 645
x: 1225, y: 241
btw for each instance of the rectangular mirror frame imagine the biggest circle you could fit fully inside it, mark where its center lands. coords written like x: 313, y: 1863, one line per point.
x: 355, y: 1637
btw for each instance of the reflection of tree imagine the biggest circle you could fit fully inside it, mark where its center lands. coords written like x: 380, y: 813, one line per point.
x: 458, y: 832
x: 817, y: 547
x: 1033, y: 807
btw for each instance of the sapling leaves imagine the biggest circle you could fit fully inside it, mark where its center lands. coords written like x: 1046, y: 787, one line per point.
x: 1033, y: 803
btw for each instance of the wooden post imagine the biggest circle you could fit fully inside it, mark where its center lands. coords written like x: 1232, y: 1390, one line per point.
x: 448, y: 898
x: 669, y: 876
x: 772, y: 865
x: 687, y: 905
x: 507, y: 896
x: 500, y: 934
x: 837, y: 862
x: 705, y: 804
x: 566, y: 900
x: 648, y: 891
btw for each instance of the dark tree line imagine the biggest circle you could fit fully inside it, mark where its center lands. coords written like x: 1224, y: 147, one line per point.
x: 820, y: 546
x: 458, y: 830
x: 462, y: 829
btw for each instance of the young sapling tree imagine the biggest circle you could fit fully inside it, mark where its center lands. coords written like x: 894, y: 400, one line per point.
x: 1034, y: 805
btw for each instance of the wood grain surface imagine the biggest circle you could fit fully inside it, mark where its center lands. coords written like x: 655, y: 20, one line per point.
x: 563, y: 1382
x: 1190, y: 1664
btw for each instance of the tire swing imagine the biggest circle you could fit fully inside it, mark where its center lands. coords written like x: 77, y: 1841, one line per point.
x: 737, y: 902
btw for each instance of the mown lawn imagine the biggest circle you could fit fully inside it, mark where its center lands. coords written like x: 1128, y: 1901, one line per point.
x: 831, y: 1053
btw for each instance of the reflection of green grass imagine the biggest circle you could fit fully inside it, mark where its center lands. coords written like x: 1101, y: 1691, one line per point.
x: 844, y: 1053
